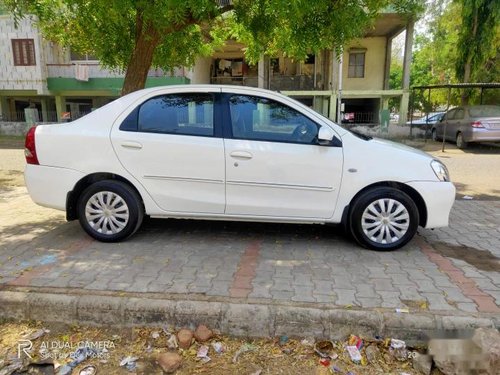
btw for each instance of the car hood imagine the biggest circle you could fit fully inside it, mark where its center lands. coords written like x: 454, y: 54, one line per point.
x: 399, y: 146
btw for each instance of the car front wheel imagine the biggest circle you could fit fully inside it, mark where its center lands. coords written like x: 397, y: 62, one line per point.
x: 383, y: 218
x: 110, y: 211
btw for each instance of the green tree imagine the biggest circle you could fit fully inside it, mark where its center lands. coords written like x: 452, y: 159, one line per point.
x: 439, y: 58
x: 480, y: 27
x: 134, y: 35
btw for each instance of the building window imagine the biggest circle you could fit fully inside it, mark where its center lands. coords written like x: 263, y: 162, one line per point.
x: 356, y: 65
x: 24, y: 52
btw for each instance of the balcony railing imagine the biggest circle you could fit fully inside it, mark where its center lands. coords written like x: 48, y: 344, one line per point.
x: 277, y: 83
x: 95, y: 70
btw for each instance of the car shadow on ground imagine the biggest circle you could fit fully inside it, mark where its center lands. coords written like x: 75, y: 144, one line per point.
x: 206, y: 228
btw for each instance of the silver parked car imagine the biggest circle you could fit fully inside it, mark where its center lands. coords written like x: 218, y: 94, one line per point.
x: 466, y: 124
x: 431, y: 119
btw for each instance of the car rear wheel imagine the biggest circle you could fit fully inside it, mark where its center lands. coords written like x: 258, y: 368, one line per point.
x: 110, y: 211
x: 383, y: 218
x: 460, y: 141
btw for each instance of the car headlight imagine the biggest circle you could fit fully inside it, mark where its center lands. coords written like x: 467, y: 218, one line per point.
x: 440, y: 170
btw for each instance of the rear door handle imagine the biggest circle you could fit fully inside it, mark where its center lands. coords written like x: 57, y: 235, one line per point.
x: 241, y: 155
x: 132, y: 145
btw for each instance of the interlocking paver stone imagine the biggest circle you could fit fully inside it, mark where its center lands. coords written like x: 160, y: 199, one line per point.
x: 294, y: 263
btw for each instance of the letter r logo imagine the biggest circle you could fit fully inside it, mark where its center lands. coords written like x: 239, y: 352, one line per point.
x: 24, y: 346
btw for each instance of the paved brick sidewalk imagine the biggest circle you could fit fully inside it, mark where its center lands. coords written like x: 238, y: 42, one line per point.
x: 295, y: 263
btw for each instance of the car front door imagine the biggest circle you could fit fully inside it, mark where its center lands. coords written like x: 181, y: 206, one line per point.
x: 274, y: 164
x: 169, y: 143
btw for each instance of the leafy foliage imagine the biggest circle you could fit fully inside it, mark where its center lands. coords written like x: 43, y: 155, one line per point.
x: 480, y: 27
x: 439, y: 57
x: 138, y: 34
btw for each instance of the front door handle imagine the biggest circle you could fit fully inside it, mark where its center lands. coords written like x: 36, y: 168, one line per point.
x: 241, y: 155
x: 132, y: 145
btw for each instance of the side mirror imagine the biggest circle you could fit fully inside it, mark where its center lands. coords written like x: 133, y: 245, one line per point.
x: 325, y: 136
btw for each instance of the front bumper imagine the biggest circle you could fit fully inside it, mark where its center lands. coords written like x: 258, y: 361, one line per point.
x: 49, y: 186
x: 439, y: 198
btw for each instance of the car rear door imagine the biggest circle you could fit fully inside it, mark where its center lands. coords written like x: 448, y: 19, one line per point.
x: 171, y: 143
x: 444, y: 125
x: 274, y: 164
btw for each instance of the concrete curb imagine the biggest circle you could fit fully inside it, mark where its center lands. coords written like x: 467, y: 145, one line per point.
x: 248, y: 318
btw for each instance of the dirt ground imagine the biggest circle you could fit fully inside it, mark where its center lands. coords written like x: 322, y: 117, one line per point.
x: 269, y: 356
x: 474, y: 170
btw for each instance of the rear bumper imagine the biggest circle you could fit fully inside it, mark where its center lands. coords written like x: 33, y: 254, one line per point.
x: 49, y: 186
x: 484, y: 135
x: 439, y: 198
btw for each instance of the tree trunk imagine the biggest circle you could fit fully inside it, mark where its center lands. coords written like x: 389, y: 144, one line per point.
x: 141, y: 59
x: 468, y: 64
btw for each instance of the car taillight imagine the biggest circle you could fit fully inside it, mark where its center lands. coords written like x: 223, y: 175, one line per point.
x: 30, y: 148
x: 477, y: 124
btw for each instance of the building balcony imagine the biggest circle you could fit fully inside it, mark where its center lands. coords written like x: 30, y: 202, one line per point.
x: 277, y: 82
x: 92, y: 78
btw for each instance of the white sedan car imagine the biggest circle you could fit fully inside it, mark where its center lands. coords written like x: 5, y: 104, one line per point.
x: 231, y: 153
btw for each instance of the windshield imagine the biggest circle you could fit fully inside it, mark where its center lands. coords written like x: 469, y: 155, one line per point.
x: 485, y: 111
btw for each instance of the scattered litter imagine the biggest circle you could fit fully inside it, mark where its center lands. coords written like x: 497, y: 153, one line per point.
x: 467, y: 197
x: 78, y: 357
x: 243, y: 349
x: 335, y: 368
x: 202, y: 352
x: 406, y: 311
x: 325, y: 362
x: 65, y: 370
x: 283, y: 340
x: 129, y: 363
x: 155, y: 335
x: 398, y: 349
x: 12, y: 368
x: 88, y: 370
x: 309, y: 341
x: 354, y: 354
x: 37, y: 334
x: 325, y: 349
x: 356, y: 341
x: 172, y: 342
x: 218, y: 347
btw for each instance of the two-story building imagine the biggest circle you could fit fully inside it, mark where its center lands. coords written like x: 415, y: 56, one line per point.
x: 40, y: 74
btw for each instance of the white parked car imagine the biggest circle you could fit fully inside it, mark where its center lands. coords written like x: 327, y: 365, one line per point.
x: 231, y: 153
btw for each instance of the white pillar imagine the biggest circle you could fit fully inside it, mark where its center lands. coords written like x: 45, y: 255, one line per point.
x: 263, y: 71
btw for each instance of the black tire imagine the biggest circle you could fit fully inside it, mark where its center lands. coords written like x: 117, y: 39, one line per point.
x: 399, y: 198
x: 461, y: 144
x: 130, y: 205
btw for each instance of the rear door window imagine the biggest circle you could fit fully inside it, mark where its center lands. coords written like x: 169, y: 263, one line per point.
x: 183, y: 114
